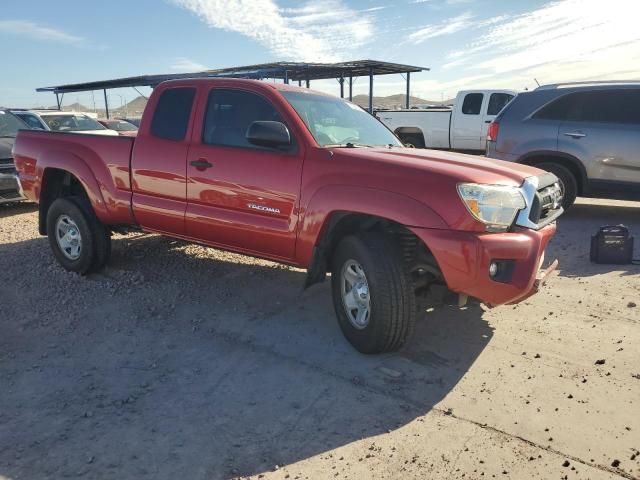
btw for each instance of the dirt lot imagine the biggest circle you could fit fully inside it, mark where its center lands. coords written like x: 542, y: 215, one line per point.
x: 186, y: 362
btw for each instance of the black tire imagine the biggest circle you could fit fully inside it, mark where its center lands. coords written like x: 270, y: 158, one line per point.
x: 568, y: 181
x: 95, y: 238
x: 392, y: 300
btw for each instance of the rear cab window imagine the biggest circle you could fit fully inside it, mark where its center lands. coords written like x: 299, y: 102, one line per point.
x: 173, y: 111
x: 497, y: 102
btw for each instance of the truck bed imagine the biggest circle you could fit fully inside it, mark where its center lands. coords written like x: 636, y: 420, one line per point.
x: 434, y: 124
x: 95, y: 159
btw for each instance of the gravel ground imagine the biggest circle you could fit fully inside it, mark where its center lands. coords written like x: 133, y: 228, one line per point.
x: 181, y: 361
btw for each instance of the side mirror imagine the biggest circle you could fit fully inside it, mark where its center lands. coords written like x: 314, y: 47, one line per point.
x: 268, y: 134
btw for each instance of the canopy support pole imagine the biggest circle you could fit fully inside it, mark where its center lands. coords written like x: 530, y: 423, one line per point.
x: 371, y: 91
x: 351, y: 89
x: 106, y: 103
x: 408, y: 90
x: 341, y: 80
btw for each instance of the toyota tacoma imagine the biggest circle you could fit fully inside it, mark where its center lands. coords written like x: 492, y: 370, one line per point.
x: 306, y: 179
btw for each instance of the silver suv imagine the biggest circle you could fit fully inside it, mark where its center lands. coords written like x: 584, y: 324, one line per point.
x: 587, y: 134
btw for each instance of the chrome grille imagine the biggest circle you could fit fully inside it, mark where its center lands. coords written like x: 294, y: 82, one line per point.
x: 543, y: 197
x: 7, y: 165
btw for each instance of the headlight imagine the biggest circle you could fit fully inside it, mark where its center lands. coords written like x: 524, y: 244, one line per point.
x: 494, y: 205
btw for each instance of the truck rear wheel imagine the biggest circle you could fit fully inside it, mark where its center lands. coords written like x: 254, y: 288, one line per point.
x: 78, y: 240
x: 372, y: 293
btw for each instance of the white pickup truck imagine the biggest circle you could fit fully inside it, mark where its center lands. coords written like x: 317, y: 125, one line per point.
x: 460, y: 127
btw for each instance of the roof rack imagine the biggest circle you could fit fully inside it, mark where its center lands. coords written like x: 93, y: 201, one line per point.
x: 600, y: 83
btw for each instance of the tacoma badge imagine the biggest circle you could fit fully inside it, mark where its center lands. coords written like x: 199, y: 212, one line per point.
x: 263, y: 208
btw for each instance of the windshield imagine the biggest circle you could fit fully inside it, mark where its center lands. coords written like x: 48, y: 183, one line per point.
x: 71, y: 123
x: 9, y: 125
x: 333, y: 121
x: 120, y: 126
x: 30, y: 119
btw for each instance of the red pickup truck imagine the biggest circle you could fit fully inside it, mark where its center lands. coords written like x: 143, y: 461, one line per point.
x: 306, y: 179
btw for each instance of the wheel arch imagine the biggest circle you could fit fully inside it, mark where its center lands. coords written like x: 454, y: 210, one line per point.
x: 400, y: 132
x: 574, y: 165
x: 341, y: 224
x: 66, y: 179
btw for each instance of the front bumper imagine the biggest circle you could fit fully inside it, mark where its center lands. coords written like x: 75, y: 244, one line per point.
x: 464, y: 259
x: 10, y: 188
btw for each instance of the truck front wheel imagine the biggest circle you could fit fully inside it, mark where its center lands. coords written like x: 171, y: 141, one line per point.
x: 78, y: 240
x: 372, y: 293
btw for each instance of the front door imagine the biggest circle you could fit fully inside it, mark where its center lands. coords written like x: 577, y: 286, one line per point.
x: 239, y: 195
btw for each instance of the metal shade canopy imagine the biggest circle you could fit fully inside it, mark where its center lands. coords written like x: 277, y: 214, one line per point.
x: 286, y: 71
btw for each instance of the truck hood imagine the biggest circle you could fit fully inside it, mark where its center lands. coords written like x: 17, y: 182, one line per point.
x: 427, y: 176
x: 457, y: 166
x: 6, y: 144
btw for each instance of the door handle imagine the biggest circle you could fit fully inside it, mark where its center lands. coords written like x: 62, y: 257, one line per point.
x: 487, y: 121
x: 575, y: 134
x: 201, y: 164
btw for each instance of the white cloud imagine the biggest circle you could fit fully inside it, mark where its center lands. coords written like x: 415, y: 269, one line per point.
x: 183, y: 64
x: 326, y: 31
x: 446, y: 27
x: 30, y: 29
x: 566, y: 40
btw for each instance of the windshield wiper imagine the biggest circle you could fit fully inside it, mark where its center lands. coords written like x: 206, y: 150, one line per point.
x: 347, y: 145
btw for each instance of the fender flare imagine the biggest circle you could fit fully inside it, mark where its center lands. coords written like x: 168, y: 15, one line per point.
x: 332, y: 199
x: 76, y: 166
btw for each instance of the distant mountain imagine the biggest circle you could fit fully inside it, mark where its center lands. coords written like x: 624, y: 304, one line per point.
x: 397, y: 101
x: 134, y: 108
x: 74, y: 107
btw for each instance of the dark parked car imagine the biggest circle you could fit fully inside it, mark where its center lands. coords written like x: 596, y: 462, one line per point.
x: 132, y: 120
x: 587, y: 134
x: 124, y: 128
x: 9, y: 186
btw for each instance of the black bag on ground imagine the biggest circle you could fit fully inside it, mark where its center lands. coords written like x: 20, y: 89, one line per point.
x: 612, y: 244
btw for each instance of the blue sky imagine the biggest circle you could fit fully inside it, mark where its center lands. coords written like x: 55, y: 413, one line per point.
x: 467, y: 44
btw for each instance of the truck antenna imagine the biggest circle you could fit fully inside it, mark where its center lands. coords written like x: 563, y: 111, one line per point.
x: 536, y: 80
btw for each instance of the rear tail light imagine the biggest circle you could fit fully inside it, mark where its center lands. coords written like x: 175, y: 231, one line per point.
x: 492, y: 133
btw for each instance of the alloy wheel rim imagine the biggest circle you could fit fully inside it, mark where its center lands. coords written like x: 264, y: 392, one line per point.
x: 356, y: 299
x: 68, y: 237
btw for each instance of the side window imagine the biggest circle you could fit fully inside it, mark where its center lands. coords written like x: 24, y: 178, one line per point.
x: 171, y: 117
x: 601, y: 106
x: 613, y: 106
x: 497, y: 101
x: 559, y: 109
x: 229, y: 114
x: 472, y: 103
